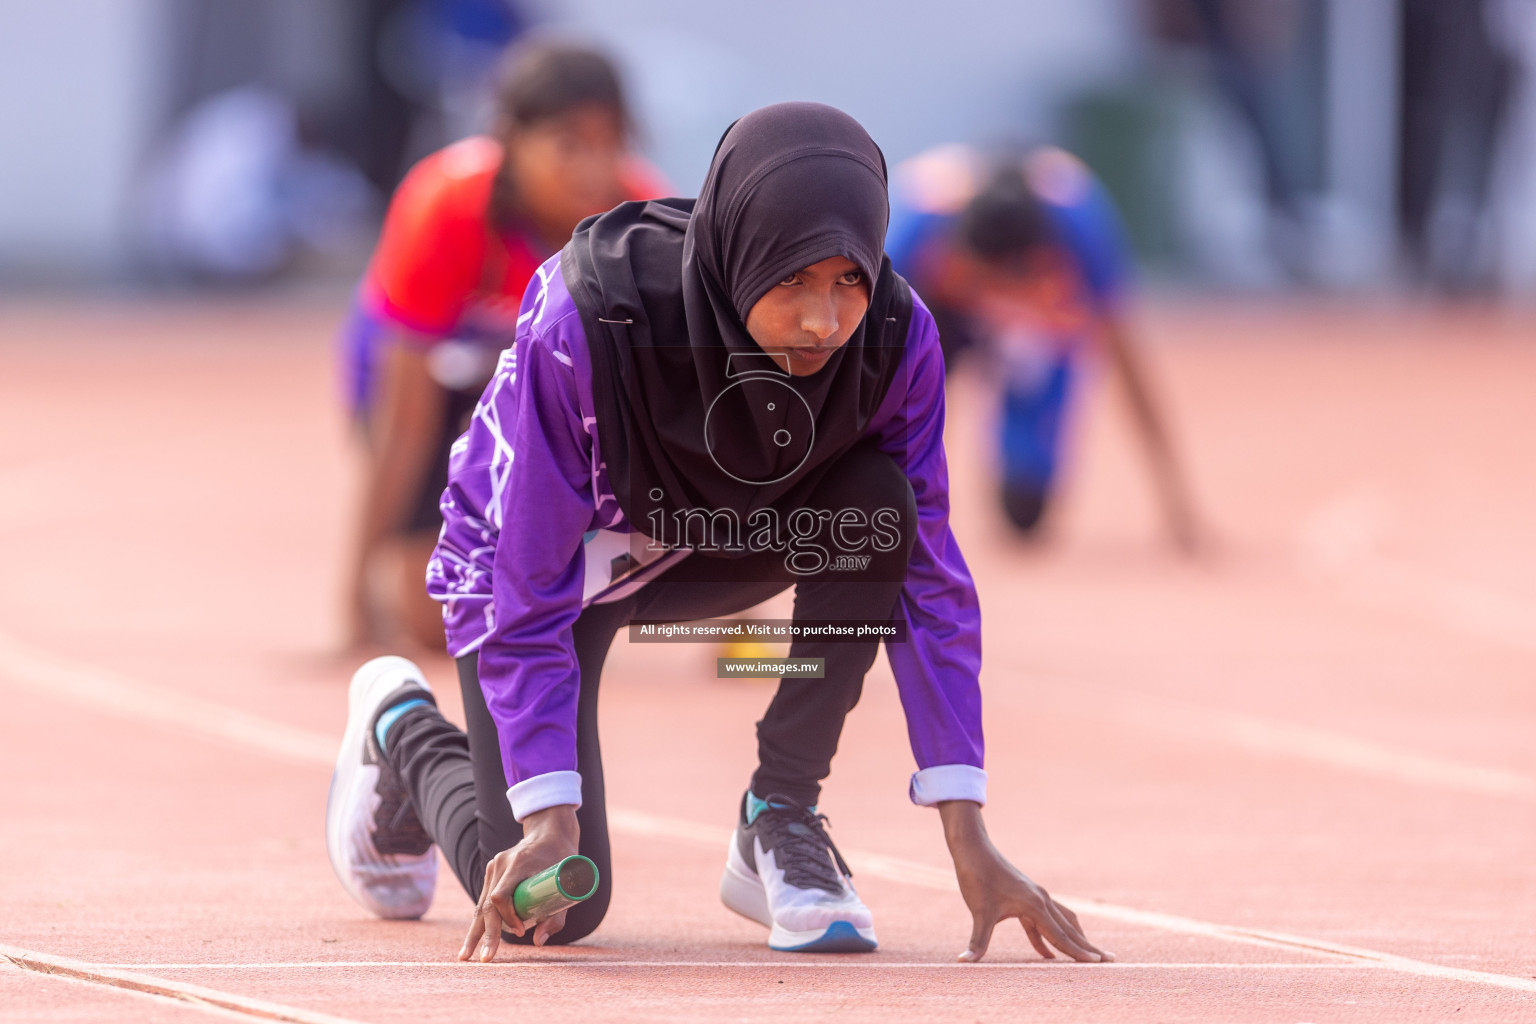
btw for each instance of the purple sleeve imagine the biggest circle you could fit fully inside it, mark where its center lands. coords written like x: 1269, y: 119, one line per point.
x: 518, y: 503
x: 937, y: 670
x: 528, y: 666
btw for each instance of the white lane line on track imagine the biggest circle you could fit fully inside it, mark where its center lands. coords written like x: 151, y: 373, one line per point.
x: 212, y: 1001
x: 120, y: 695
x: 831, y: 963
x: 133, y: 995
x: 896, y: 869
x: 1271, y: 738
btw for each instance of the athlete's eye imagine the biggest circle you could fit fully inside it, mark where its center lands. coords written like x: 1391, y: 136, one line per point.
x: 791, y: 279
x: 852, y: 277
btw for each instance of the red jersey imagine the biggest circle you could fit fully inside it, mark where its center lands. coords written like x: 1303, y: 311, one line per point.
x: 444, y: 273
x: 441, y: 267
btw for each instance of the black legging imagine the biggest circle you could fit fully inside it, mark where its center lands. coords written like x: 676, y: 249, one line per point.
x: 456, y: 778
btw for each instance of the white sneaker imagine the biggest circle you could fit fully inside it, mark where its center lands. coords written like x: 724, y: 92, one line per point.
x: 378, y: 848
x: 782, y: 871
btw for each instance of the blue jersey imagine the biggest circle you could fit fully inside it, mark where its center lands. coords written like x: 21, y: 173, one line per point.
x: 929, y: 191
x: 1038, y: 366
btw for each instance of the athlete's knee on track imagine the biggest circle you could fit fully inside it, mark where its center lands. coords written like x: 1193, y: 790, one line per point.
x: 1025, y: 507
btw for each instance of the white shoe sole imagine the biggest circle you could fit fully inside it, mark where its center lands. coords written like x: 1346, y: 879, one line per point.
x: 392, y: 886
x: 742, y: 890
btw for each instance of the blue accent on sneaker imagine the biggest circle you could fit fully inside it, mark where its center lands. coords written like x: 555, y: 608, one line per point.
x: 389, y: 716
x: 756, y: 807
x: 840, y: 937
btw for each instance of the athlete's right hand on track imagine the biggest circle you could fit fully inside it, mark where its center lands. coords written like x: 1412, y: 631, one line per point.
x: 995, y: 890
x: 549, y: 836
x: 1189, y: 536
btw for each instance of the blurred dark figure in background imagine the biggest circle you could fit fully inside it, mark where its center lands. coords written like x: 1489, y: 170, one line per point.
x: 465, y: 232
x: 239, y: 192
x: 386, y: 111
x: 1025, y: 261
x: 282, y: 113
x: 1267, y: 58
x: 419, y: 60
x: 1457, y: 81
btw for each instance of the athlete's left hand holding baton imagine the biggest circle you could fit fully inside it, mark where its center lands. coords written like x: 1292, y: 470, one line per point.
x: 549, y: 836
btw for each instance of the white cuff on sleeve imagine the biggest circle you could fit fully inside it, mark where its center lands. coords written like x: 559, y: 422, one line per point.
x: 948, y: 782
x: 542, y: 791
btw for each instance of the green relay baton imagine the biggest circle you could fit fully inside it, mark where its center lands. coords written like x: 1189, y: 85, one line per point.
x: 555, y: 888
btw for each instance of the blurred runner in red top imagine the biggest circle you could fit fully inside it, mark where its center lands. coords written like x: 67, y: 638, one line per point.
x: 464, y: 234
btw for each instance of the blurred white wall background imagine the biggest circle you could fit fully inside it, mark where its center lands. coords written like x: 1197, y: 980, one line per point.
x: 88, y: 89
x: 913, y: 71
x: 81, y: 91
x: 1515, y: 180
x: 85, y: 88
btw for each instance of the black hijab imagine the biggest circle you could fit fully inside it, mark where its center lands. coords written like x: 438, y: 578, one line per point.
x: 691, y: 413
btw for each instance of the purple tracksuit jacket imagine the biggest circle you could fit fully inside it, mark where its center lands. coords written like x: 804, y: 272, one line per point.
x: 530, y: 526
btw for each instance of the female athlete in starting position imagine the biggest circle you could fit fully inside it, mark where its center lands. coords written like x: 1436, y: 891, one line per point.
x: 708, y: 401
x: 465, y: 232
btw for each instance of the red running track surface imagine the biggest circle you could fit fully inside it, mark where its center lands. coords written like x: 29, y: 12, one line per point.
x: 1291, y: 782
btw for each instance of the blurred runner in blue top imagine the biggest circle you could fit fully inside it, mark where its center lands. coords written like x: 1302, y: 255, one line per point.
x: 1025, y: 262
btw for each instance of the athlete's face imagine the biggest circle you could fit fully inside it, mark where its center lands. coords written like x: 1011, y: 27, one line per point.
x: 567, y: 167
x: 1040, y: 292
x: 811, y: 313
